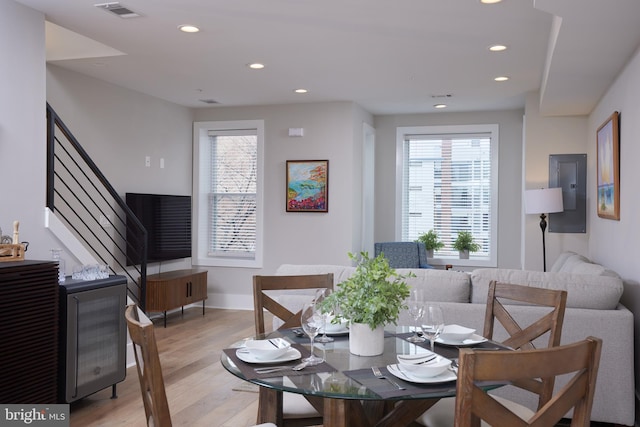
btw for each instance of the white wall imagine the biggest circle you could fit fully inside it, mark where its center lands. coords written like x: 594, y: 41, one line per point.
x: 609, y: 237
x: 544, y: 136
x: 332, y: 131
x: 22, y: 127
x: 119, y: 128
x: 613, y: 243
x: 509, y: 191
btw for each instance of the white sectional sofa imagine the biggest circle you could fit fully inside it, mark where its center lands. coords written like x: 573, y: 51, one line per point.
x: 593, y: 308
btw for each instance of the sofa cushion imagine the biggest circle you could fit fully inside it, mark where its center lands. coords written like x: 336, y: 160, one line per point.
x: 566, y: 261
x: 571, y: 262
x: 438, y: 285
x: 583, y: 291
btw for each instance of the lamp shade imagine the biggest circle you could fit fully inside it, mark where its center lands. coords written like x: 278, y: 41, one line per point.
x: 543, y: 200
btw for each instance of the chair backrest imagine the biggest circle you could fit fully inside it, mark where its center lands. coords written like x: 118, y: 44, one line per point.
x: 579, y: 361
x: 521, y: 338
x: 403, y: 254
x: 154, y: 397
x: 500, y: 294
x: 263, y: 301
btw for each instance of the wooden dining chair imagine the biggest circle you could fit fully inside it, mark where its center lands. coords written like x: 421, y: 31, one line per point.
x: 263, y: 299
x: 296, y: 409
x: 518, y: 337
x: 579, y: 361
x: 154, y: 397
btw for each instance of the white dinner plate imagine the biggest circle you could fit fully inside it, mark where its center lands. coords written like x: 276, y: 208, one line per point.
x: 444, y: 377
x: 244, y: 355
x: 338, y: 332
x: 473, y: 340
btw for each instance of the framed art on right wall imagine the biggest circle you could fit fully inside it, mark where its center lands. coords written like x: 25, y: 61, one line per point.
x: 608, y: 151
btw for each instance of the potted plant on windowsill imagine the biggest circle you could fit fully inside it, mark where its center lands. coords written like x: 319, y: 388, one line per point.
x: 431, y: 242
x: 464, y: 244
x: 370, y: 298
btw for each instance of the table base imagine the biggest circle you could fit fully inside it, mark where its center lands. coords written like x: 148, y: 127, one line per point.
x: 348, y: 412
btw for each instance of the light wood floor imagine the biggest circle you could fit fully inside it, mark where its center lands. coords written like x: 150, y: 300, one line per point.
x: 199, y: 390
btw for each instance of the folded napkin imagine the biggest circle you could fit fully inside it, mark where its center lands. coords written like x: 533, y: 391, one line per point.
x: 385, y: 389
x: 247, y: 369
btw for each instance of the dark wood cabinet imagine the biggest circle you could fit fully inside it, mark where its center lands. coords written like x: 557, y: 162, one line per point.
x: 29, y: 332
x: 173, y: 289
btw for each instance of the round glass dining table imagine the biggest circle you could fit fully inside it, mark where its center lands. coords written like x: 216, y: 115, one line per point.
x: 344, y: 388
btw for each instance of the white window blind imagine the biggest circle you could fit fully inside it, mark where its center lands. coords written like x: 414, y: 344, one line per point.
x: 232, y: 201
x: 448, y: 186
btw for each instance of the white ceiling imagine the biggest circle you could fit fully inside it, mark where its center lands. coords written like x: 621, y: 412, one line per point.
x: 389, y: 56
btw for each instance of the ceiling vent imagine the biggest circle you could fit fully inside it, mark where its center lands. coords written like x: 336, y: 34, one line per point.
x: 117, y: 9
x: 209, y: 101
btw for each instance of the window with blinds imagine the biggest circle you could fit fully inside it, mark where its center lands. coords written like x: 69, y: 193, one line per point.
x: 232, y: 201
x: 449, y: 177
x: 228, y: 186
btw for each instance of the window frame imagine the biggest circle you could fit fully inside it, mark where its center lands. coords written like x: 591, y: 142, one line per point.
x: 493, y: 130
x: 201, y: 196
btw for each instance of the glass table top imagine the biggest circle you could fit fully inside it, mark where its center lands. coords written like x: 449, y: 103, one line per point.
x: 352, y: 377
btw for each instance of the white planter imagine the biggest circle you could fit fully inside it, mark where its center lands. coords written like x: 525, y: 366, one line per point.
x: 429, y: 253
x: 464, y: 254
x: 363, y: 341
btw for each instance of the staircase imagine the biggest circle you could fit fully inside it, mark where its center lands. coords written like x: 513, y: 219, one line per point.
x: 85, y: 210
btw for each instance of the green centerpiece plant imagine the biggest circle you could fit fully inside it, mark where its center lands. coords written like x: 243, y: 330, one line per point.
x: 372, y: 296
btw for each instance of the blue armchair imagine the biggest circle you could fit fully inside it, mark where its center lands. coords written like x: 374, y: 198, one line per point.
x: 403, y: 254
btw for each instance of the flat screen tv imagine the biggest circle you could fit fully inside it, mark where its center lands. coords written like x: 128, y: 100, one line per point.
x: 167, y: 219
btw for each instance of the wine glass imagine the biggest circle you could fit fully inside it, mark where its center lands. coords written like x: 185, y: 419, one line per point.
x: 415, y: 306
x: 311, y: 320
x: 433, y: 323
x: 321, y: 294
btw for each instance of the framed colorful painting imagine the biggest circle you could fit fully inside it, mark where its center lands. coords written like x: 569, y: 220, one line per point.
x: 608, y: 150
x: 307, y: 186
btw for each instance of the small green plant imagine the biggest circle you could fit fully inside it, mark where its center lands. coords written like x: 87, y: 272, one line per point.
x: 464, y: 242
x: 430, y: 240
x: 374, y: 294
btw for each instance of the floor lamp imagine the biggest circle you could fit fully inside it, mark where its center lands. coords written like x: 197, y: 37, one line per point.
x: 543, y: 201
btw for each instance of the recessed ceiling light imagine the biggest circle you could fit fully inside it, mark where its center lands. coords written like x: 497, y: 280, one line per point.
x: 490, y: 1
x: 501, y: 79
x: 301, y: 91
x: 440, y: 106
x: 497, y: 48
x: 256, y: 66
x: 188, y: 28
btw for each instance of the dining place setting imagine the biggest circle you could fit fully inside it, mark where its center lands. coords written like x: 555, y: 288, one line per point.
x: 432, y: 364
x: 427, y: 366
x: 285, y: 355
